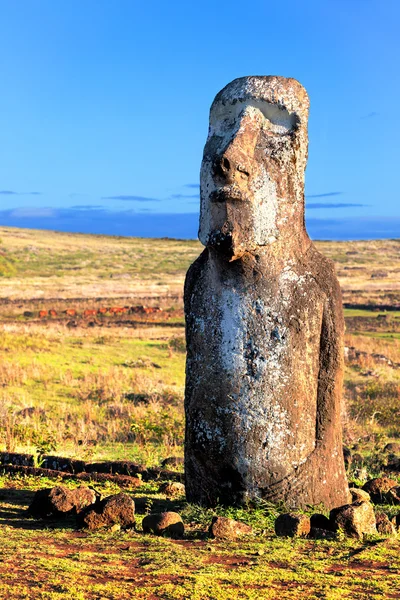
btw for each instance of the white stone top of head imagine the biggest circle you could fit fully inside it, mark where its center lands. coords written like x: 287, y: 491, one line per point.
x: 284, y: 101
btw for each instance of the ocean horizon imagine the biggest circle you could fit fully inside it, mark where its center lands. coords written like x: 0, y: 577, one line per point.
x: 182, y: 225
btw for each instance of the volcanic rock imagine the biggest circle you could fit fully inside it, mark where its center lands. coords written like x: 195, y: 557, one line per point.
x: 377, y: 488
x: 228, y: 529
x: 292, y: 525
x: 354, y: 519
x: 118, y: 509
x: 165, y: 523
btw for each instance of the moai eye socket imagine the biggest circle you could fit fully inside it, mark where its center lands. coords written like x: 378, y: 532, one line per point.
x: 275, y: 119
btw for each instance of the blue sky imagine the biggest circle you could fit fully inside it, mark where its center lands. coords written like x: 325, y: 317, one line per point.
x: 104, y: 107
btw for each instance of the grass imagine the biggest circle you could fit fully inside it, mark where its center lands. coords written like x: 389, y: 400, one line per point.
x: 52, y: 560
x: 114, y: 390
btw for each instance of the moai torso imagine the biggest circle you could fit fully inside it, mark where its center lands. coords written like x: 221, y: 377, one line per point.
x: 263, y: 315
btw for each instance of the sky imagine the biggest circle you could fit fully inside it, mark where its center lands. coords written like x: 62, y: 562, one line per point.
x: 104, y: 108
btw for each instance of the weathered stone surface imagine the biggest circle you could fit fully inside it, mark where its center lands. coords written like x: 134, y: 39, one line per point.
x: 393, y: 495
x: 358, y: 495
x: 384, y: 525
x: 393, y: 463
x: 377, y: 488
x: 321, y: 534
x: 172, y: 461
x: 165, y: 523
x: 172, y: 489
x: 118, y: 509
x: 84, y: 497
x: 58, y: 501
x: 264, y: 319
x: 228, y: 529
x: 347, y: 457
x: 357, y: 460
x: 292, y: 525
x: 396, y: 521
x: 319, y: 521
x: 15, y: 458
x: 392, y: 447
x: 354, y: 519
x: 60, y: 463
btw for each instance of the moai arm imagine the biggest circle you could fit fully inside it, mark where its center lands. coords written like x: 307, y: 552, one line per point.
x: 330, y: 376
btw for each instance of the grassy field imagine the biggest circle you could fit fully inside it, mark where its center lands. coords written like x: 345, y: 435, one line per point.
x: 104, y: 386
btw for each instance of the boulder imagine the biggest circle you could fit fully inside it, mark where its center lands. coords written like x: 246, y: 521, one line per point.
x: 118, y: 509
x: 393, y: 463
x: 392, y: 448
x: 228, y: 529
x: 358, y: 495
x: 396, y: 521
x: 172, y: 489
x: 53, y: 502
x: 357, y: 460
x: 384, y: 525
x: 60, y: 463
x: 165, y: 523
x: 292, y: 525
x: 172, y: 461
x: 377, y: 488
x: 84, y: 497
x: 347, y: 457
x: 321, y: 534
x: 393, y: 495
x: 319, y: 521
x: 354, y: 519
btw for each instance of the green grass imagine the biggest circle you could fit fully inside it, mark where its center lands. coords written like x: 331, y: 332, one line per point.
x: 51, y: 560
x: 116, y: 392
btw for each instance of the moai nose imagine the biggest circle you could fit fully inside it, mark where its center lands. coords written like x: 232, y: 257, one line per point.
x: 232, y: 165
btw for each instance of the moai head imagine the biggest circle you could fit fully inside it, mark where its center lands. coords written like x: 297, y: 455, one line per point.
x: 252, y: 174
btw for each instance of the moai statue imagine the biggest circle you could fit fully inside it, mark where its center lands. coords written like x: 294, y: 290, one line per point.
x: 264, y: 320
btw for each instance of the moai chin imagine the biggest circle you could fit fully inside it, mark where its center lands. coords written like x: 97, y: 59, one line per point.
x: 264, y: 320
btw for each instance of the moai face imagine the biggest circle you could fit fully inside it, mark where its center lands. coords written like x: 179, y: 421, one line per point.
x: 252, y: 174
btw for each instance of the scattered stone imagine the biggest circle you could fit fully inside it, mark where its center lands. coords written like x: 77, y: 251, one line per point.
x: 14, y: 458
x: 379, y: 274
x: 172, y: 461
x: 384, y: 525
x: 228, y: 529
x: 172, y: 489
x: 357, y: 460
x: 118, y: 509
x: 393, y: 495
x: 396, y: 521
x: 321, y: 534
x: 358, y: 495
x: 319, y: 521
x: 53, y: 502
x: 377, y: 488
x: 347, y: 457
x: 292, y: 525
x: 84, y: 497
x: 393, y: 463
x: 61, y: 501
x: 392, y: 447
x: 354, y: 519
x: 165, y: 523
x: 121, y: 480
x: 60, y: 463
